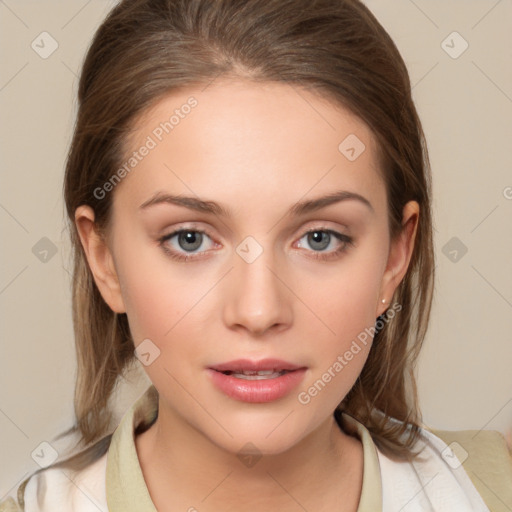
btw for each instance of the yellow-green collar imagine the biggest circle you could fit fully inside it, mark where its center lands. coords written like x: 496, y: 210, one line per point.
x: 126, y: 487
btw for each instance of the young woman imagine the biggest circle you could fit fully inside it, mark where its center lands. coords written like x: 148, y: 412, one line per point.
x: 249, y: 199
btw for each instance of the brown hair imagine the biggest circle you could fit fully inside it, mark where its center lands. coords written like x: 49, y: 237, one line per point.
x: 146, y: 49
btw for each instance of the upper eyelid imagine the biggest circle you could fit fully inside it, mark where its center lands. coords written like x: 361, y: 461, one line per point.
x: 318, y: 225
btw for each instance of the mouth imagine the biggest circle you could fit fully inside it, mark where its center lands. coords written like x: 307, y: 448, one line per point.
x: 251, y: 369
x: 256, y: 381
x: 257, y: 375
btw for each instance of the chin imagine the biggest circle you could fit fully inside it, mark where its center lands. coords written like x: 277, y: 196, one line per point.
x: 272, y: 435
x: 256, y: 447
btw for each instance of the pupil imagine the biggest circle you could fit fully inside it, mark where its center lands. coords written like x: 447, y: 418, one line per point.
x: 316, y: 237
x: 189, y: 237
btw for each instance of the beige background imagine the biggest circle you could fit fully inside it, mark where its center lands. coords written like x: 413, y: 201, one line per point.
x: 465, y: 104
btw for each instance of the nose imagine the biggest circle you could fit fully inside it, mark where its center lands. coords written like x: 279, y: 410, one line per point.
x: 258, y: 298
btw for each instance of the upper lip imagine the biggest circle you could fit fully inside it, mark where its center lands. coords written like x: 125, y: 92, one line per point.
x: 250, y: 365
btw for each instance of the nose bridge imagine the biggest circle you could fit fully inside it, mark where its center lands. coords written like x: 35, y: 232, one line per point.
x: 258, y: 298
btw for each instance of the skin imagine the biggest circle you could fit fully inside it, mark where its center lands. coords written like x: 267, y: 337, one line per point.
x: 257, y: 149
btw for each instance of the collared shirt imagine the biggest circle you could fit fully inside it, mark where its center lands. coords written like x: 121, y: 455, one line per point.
x: 115, y: 482
x: 127, y: 491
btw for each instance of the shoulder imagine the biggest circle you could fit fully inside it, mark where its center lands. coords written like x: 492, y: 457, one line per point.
x: 437, y: 478
x: 486, y: 459
x: 454, y: 471
x: 9, y: 505
x: 56, y: 488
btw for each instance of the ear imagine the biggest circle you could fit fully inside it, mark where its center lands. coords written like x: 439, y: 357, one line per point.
x: 99, y: 258
x: 400, y: 253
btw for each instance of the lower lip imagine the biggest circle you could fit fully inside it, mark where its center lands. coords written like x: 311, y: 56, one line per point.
x: 264, y: 390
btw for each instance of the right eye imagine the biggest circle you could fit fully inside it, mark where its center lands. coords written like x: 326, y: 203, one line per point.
x: 187, y: 241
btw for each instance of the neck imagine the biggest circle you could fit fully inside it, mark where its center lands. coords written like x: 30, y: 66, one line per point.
x: 182, y: 467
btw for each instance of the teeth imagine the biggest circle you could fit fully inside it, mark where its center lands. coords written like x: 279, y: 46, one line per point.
x: 257, y: 375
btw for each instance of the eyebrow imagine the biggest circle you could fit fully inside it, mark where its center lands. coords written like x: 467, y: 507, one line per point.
x: 299, y: 208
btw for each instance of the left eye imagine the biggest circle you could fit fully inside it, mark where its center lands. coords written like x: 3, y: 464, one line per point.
x: 321, y: 239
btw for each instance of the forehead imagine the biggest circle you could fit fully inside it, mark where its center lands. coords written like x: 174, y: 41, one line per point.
x: 261, y: 138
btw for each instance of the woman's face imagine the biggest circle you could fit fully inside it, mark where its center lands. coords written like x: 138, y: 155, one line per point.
x: 255, y: 285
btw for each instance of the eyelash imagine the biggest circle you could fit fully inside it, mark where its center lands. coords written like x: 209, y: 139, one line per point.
x: 319, y: 255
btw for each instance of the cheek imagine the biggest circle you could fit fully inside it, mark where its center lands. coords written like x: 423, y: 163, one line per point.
x: 169, y: 304
x: 347, y: 299
x: 345, y: 302
x: 154, y: 291
x: 341, y: 352
x: 161, y: 307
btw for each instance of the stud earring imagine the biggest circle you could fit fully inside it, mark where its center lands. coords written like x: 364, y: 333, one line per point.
x: 383, y: 301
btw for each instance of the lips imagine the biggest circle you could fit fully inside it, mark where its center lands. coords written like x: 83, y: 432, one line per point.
x: 248, y: 366
x: 260, y: 381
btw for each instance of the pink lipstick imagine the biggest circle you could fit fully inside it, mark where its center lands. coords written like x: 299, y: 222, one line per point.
x: 256, y: 381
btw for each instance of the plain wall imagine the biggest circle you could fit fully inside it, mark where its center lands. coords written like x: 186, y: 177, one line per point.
x: 465, y: 104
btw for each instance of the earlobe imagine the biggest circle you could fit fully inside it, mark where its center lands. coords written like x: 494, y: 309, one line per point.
x: 400, y: 254
x: 99, y: 258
